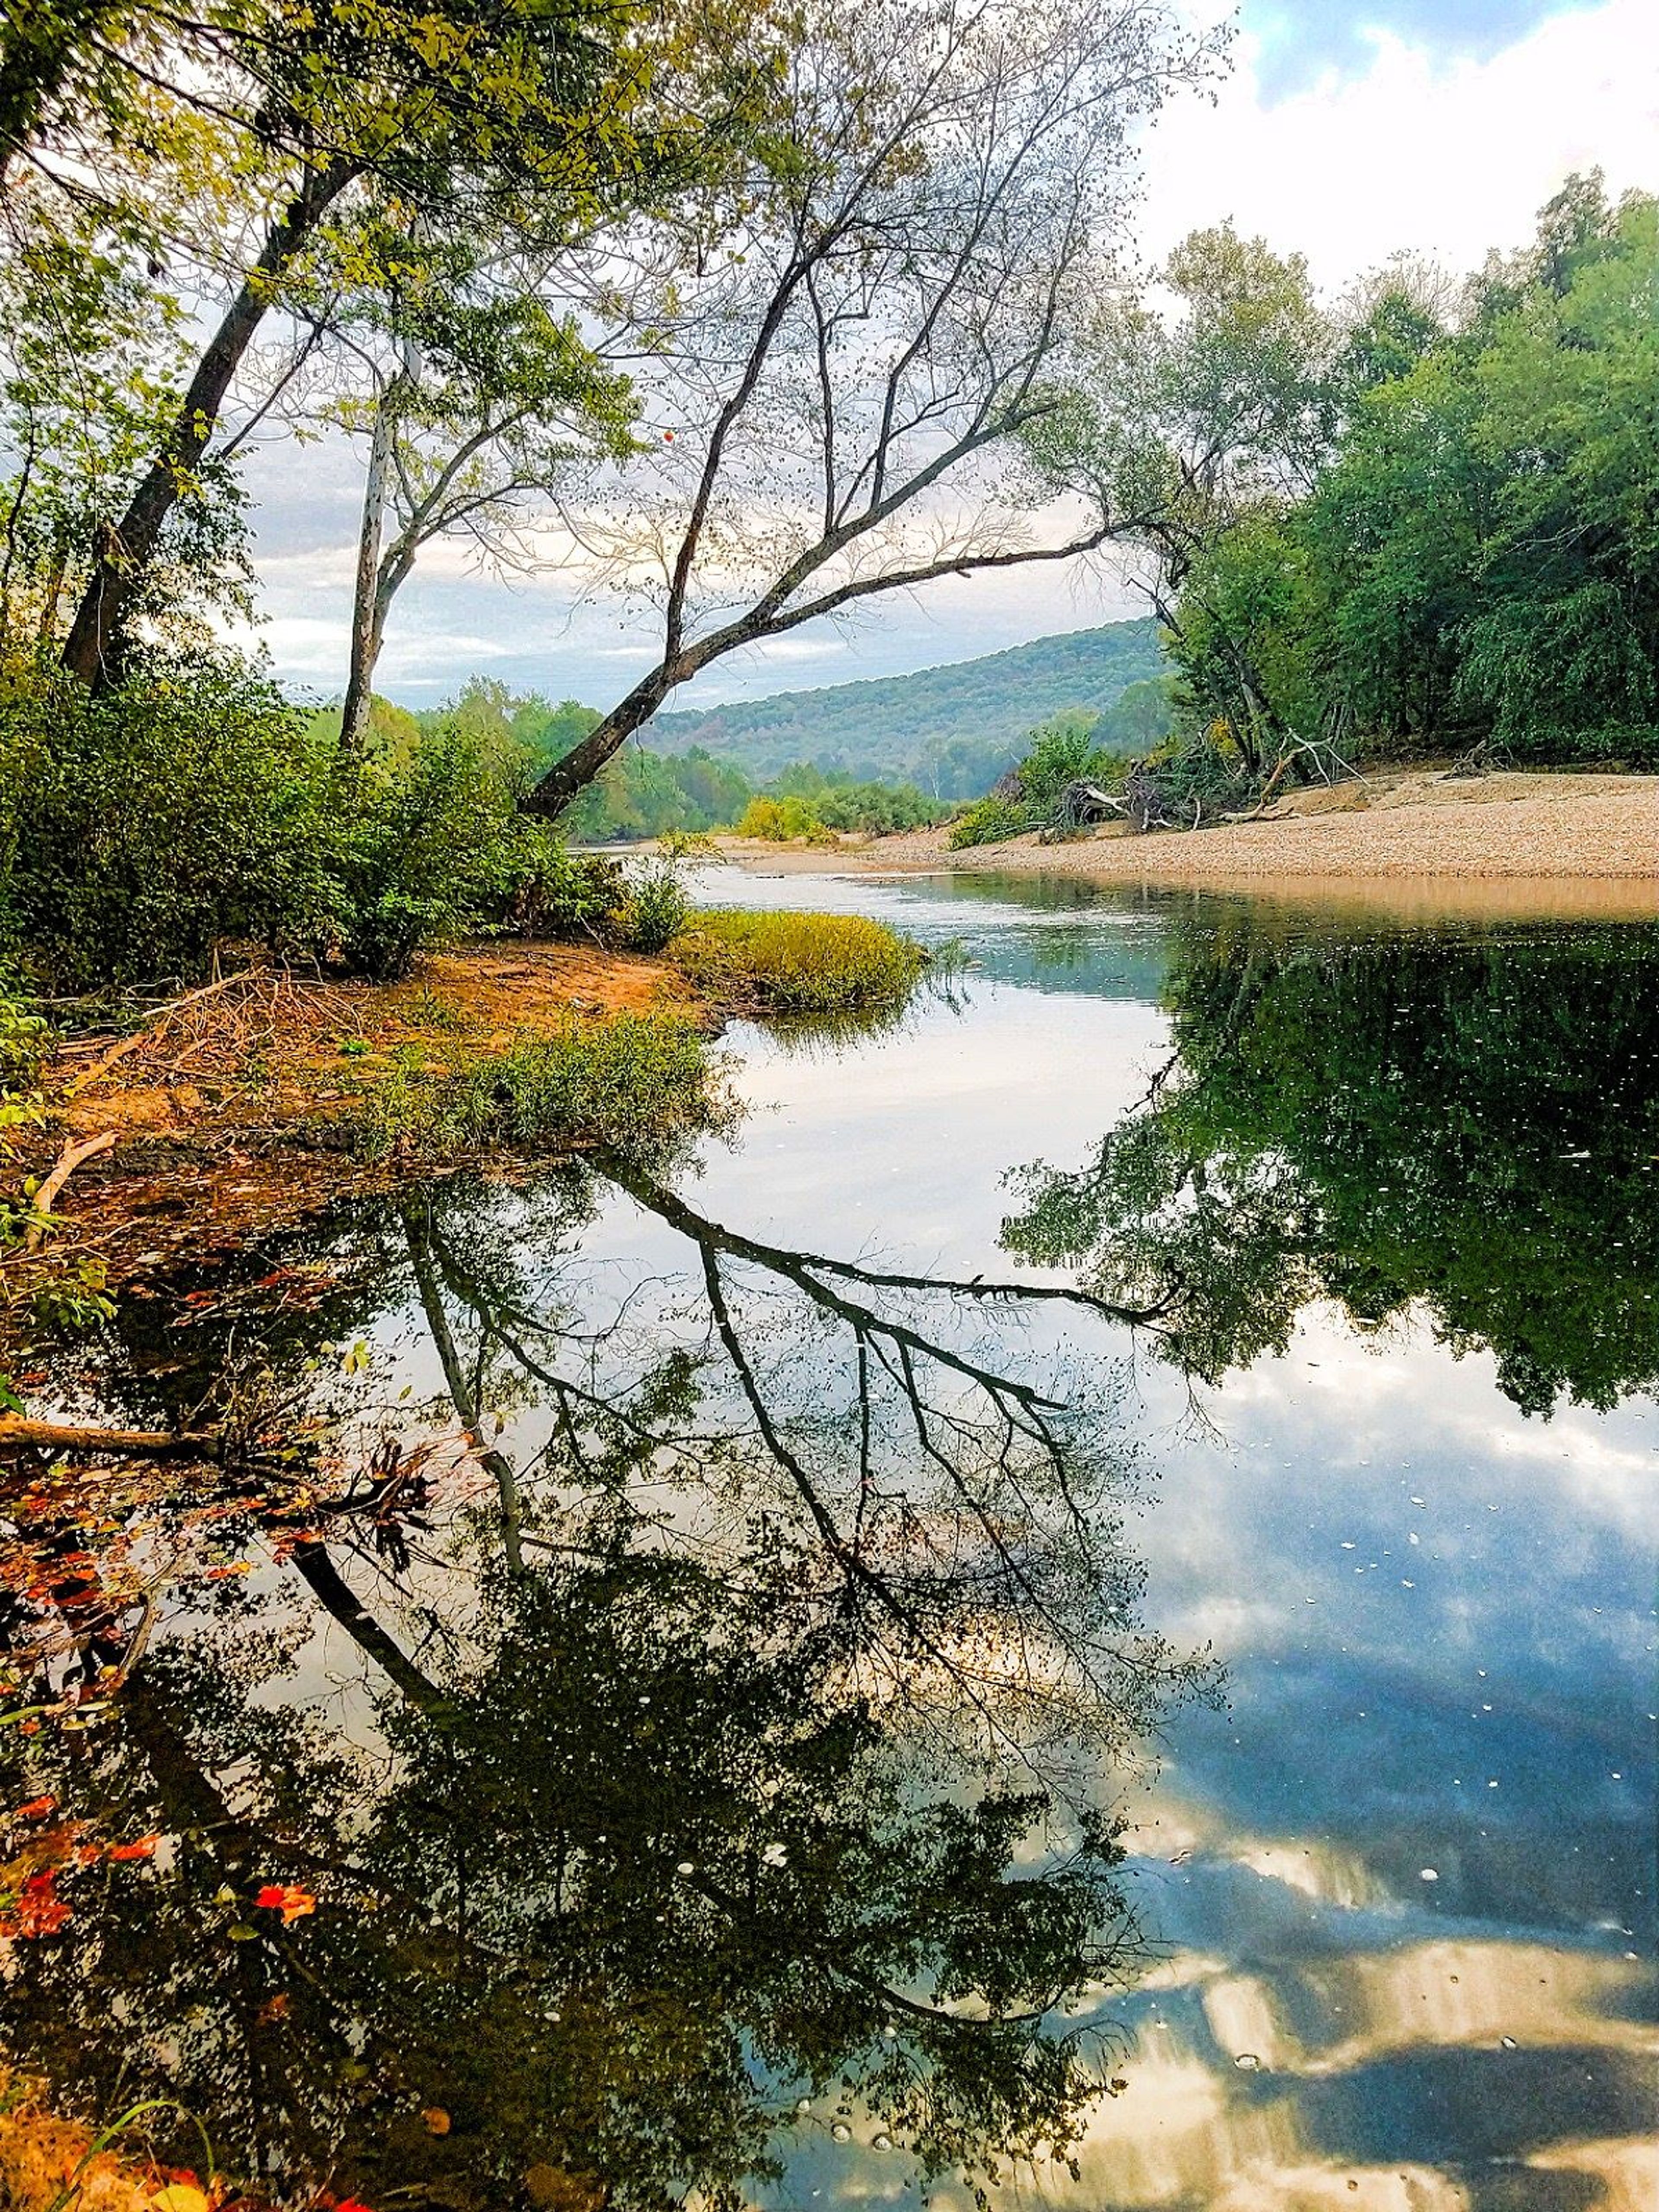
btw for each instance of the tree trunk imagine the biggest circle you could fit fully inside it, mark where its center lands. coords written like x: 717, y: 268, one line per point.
x: 579, y: 767
x: 125, y: 550
x: 331, y: 1590
x: 366, y: 625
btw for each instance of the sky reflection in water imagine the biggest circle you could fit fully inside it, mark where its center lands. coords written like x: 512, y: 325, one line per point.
x: 1400, y: 1892
x: 1437, y: 1617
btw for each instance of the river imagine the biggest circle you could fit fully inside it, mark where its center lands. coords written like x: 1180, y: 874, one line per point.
x: 1067, y: 1612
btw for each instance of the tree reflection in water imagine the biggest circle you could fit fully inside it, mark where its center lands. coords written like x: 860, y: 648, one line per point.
x: 715, y: 1772
x: 1468, y: 1126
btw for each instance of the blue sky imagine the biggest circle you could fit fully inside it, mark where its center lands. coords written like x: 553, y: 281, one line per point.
x: 1301, y: 39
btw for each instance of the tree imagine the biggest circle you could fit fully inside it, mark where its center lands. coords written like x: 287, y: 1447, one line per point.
x: 658, y: 1839
x: 843, y: 380
x: 457, y: 114
x: 1394, y: 1127
x: 486, y: 402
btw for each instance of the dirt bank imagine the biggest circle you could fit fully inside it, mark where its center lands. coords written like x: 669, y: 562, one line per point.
x: 1403, y: 826
x: 223, y: 1117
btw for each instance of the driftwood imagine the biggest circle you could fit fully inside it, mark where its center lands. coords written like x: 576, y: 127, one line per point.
x: 1082, y: 803
x: 69, y: 1159
x: 18, y: 1432
x: 152, y: 1028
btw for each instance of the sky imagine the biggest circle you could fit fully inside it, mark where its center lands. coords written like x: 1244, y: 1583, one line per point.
x: 1348, y: 130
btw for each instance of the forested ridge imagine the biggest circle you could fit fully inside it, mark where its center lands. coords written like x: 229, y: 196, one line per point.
x: 953, y: 728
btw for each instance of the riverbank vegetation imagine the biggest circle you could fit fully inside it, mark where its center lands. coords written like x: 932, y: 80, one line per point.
x: 798, y: 963
x: 1421, y: 521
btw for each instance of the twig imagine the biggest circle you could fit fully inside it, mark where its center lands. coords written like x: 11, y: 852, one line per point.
x: 152, y: 1029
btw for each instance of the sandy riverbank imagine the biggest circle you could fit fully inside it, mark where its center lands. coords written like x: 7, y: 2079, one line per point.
x: 1499, y: 836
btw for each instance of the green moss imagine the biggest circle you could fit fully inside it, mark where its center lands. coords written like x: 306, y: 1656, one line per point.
x: 634, y: 1083
x: 798, y: 963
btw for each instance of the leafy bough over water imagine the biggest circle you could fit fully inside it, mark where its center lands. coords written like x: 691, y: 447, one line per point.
x: 726, y: 1735
x: 1470, y: 1127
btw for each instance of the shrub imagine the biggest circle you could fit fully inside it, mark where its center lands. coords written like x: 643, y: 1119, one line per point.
x: 988, y: 821
x: 156, y: 820
x: 634, y: 1082
x: 780, y: 820
x: 806, y: 963
x: 431, y: 846
x: 655, y: 909
x: 191, y: 807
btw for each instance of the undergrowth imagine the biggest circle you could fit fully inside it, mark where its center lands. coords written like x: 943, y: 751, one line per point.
x: 798, y: 963
x: 632, y: 1083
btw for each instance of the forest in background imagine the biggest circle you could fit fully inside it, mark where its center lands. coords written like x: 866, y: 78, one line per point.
x: 952, y: 729
x: 872, y: 756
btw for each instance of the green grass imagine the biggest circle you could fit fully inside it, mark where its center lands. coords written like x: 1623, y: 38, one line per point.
x: 798, y: 963
x: 634, y: 1083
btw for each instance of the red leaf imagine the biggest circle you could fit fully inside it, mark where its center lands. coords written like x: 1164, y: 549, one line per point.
x: 37, y: 1809
x: 288, y: 1898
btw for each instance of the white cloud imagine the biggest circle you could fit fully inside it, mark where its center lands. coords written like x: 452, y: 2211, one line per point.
x: 1443, y: 156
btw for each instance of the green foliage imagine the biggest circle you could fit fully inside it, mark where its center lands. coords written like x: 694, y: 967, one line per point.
x: 1472, y: 554
x: 782, y: 821
x: 159, y: 820
x: 1062, y: 752
x: 798, y: 964
x: 631, y: 1082
x: 191, y: 809
x: 432, y: 847
x: 989, y: 822
x: 1469, y: 1127
x: 655, y: 909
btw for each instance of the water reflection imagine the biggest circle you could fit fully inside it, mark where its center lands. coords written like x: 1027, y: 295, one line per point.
x: 691, y: 1773
x: 1466, y: 1125
x: 903, y: 1625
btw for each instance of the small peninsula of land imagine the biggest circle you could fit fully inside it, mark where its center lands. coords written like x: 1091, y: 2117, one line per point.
x: 1403, y: 825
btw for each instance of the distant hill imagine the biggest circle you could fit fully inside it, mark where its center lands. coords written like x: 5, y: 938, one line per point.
x: 951, y: 729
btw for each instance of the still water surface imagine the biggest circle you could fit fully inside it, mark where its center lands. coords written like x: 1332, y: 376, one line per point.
x: 1082, y: 1583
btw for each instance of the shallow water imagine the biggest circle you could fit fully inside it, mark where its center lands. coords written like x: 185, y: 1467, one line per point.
x: 689, y: 1777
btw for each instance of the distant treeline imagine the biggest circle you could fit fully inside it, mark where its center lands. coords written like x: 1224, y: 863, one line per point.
x: 951, y: 730
x: 644, y: 793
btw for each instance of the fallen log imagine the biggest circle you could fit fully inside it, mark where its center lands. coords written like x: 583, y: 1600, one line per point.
x: 19, y: 1432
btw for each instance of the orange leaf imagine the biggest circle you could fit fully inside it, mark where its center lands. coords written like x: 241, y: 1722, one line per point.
x: 141, y: 1847
x: 37, y: 1809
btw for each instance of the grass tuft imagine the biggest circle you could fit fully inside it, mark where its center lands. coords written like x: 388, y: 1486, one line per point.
x: 634, y: 1083
x: 798, y: 963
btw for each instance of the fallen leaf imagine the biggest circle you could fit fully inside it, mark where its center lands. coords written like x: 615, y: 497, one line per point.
x: 141, y: 1847
x: 437, y: 2120
x: 288, y: 1898
x: 37, y: 1809
x: 179, y: 2196
x: 39, y: 1910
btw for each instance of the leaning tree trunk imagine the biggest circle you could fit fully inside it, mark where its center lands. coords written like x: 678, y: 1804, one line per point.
x: 577, y: 768
x: 125, y: 550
